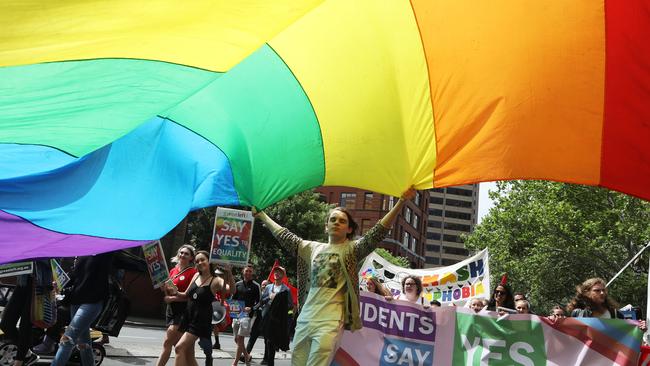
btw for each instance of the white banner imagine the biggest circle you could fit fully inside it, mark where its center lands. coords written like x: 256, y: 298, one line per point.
x: 455, y: 284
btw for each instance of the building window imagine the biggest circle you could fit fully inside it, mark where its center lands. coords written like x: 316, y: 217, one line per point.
x: 452, y: 238
x: 365, y: 226
x: 460, y: 192
x: 348, y: 200
x: 433, y: 248
x: 414, y: 244
x: 457, y: 215
x: 458, y: 227
x: 457, y: 203
x: 436, y: 200
x: 405, y: 239
x: 448, y: 262
x: 367, y: 201
x: 439, y: 190
x: 417, y: 198
x: 407, y: 215
x: 416, y: 221
x: 435, y: 212
x: 433, y: 236
x: 434, y: 223
x: 432, y: 260
x: 391, y: 202
x: 455, y: 251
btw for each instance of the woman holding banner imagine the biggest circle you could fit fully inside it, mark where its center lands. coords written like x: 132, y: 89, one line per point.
x: 412, y: 290
x: 179, y: 279
x: 328, y: 282
x: 197, y: 322
x: 591, y: 301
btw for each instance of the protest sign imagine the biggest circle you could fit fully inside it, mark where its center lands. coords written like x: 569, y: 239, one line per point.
x: 156, y: 263
x: 60, y: 277
x: 455, y: 284
x: 15, y: 269
x: 231, y: 238
x: 401, y: 333
x: 236, y: 308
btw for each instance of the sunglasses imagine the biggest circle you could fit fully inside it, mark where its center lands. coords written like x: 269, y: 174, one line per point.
x: 185, y: 253
x: 498, y: 293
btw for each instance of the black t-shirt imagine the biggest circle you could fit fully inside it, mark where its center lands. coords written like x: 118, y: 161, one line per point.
x: 249, y: 292
x: 90, y: 278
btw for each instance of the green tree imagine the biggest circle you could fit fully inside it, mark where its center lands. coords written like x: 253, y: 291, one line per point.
x: 396, y: 260
x: 302, y: 213
x: 549, y: 237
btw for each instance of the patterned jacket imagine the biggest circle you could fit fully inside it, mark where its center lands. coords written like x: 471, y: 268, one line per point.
x: 359, y: 250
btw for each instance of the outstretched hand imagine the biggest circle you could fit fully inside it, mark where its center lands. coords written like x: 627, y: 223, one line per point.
x: 408, y: 194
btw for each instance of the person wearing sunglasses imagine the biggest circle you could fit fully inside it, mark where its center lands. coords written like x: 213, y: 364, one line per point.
x: 501, y: 297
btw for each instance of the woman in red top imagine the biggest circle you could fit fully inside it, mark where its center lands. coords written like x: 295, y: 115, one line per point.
x: 179, y: 279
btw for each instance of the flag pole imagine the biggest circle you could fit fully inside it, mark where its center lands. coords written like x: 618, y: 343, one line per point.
x: 628, y: 264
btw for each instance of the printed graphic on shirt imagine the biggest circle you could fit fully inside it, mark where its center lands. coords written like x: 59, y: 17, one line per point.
x: 325, y: 269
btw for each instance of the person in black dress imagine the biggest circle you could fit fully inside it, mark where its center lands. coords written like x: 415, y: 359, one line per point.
x: 197, y: 321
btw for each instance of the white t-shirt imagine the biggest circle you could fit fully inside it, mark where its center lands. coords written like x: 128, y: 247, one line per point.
x: 326, y: 295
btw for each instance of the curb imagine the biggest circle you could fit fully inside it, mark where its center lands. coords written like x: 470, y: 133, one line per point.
x: 134, y: 323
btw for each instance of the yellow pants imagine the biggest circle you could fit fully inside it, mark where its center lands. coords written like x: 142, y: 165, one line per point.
x: 315, y: 342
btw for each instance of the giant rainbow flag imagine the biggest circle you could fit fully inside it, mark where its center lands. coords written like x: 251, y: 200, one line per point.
x: 119, y: 117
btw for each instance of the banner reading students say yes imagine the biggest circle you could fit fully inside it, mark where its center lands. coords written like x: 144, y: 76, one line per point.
x: 401, y: 333
x: 455, y: 284
x: 231, y: 239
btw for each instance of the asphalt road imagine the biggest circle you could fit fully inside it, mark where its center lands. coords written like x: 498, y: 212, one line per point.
x: 142, y: 345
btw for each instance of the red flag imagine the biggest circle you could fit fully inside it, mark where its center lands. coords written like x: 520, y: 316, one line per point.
x: 285, y: 280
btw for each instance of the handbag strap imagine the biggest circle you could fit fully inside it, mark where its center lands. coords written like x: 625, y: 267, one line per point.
x: 181, y: 272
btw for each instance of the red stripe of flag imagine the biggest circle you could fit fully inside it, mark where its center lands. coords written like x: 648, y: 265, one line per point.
x: 625, y: 159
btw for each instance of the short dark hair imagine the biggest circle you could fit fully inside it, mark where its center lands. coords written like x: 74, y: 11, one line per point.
x: 351, y: 223
x: 435, y: 303
x: 418, y: 283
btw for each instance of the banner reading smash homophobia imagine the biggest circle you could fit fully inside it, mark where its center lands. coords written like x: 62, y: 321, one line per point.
x: 453, y: 284
x: 400, y: 333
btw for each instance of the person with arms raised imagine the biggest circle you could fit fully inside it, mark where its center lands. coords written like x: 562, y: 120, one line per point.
x: 328, y: 283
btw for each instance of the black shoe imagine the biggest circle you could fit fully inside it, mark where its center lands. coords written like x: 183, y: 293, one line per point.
x: 264, y: 362
x: 241, y: 359
x: 216, y: 346
x: 32, y: 359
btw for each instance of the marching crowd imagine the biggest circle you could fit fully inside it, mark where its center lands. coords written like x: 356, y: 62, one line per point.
x: 326, y: 304
x: 197, y: 309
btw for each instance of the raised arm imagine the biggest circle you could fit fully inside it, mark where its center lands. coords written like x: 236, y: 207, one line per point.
x: 389, y: 219
x: 377, y: 233
x: 284, y: 236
